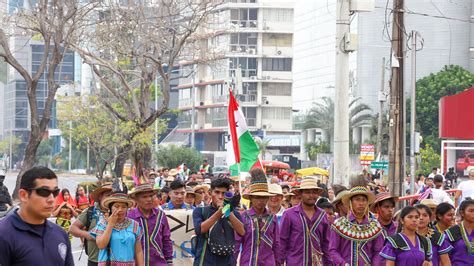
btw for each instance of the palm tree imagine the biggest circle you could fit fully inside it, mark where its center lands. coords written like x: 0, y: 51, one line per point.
x: 321, y: 115
x: 263, y: 145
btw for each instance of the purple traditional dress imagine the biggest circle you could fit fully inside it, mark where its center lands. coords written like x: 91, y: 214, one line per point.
x: 260, y: 242
x: 439, y: 244
x: 463, y: 252
x: 303, y: 240
x: 400, y: 249
x: 356, y: 244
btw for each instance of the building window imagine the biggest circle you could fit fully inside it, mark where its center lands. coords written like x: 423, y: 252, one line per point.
x: 243, y: 42
x: 218, y: 116
x: 247, y: 65
x: 278, y: 15
x: 184, y: 119
x: 244, y: 17
x: 277, y: 40
x: 250, y: 114
x: 276, y: 113
x: 276, y: 64
x: 276, y: 89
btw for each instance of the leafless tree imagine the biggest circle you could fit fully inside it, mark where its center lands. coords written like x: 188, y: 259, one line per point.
x: 130, y: 46
x: 55, y: 24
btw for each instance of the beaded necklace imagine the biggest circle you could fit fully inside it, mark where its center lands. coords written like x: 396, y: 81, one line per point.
x: 123, y: 225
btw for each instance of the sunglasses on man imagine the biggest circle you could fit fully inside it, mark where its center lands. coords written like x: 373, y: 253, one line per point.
x: 44, y: 192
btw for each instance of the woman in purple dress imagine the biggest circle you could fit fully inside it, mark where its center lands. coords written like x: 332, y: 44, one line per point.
x: 461, y: 236
x: 439, y: 243
x: 407, y: 248
x: 444, y: 217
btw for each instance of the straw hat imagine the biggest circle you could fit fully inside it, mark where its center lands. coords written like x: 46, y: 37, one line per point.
x: 358, y: 190
x: 100, y: 190
x: 203, y: 187
x: 275, y: 189
x: 381, y: 197
x: 308, y: 183
x: 431, y: 203
x: 147, y: 187
x: 197, y: 196
x: 338, y: 197
x: 152, y: 173
x: 257, y: 188
x: 169, y: 178
x: 117, y: 197
x: 173, y: 172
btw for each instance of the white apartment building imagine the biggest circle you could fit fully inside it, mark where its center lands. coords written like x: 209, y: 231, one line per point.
x: 257, y: 36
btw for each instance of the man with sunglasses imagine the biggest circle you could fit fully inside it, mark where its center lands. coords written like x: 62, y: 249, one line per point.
x: 26, y: 236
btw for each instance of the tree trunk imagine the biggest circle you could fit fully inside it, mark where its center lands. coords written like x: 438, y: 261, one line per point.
x: 121, y: 160
x: 141, y: 159
x: 29, y: 159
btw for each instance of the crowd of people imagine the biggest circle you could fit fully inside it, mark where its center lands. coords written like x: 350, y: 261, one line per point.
x: 255, y: 222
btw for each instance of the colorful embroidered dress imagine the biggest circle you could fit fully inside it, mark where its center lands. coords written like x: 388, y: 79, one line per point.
x: 260, y: 243
x: 356, y: 244
x: 439, y: 244
x: 122, y: 242
x: 463, y: 252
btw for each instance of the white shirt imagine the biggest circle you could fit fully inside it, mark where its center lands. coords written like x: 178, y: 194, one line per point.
x: 441, y: 196
x: 467, y: 189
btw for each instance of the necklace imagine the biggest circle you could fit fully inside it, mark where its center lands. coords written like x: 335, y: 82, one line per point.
x: 465, y: 237
x: 123, y: 225
x: 355, y: 231
x: 429, y: 232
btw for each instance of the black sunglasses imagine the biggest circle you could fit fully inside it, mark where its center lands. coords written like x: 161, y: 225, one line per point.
x: 44, y: 192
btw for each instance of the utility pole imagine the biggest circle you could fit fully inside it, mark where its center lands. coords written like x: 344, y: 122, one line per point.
x: 413, y: 111
x: 193, y: 109
x: 341, y: 101
x: 381, y: 101
x: 397, y: 127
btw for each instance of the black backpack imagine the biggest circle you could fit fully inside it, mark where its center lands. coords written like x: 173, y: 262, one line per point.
x: 90, y: 211
x: 205, y: 215
x: 221, y: 238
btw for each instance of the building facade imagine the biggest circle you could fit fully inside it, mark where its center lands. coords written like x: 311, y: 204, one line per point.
x: 255, y: 36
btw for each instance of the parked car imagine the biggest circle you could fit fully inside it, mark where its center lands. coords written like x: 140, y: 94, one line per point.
x: 220, y: 169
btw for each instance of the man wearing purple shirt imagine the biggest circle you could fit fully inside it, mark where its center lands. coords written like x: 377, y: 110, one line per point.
x: 156, y: 242
x: 357, y: 239
x: 261, y: 239
x: 384, y: 208
x: 304, y: 230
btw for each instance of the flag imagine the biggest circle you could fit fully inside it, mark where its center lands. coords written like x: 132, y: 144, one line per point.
x: 241, y: 147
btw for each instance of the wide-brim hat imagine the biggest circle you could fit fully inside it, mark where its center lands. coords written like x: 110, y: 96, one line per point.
x: 117, y: 197
x: 173, y: 172
x: 259, y: 188
x: 197, y: 196
x: 169, y: 178
x: 381, y: 197
x: 358, y: 190
x: 431, y: 203
x: 147, y: 187
x: 338, y: 197
x: 275, y: 189
x: 152, y: 173
x: 100, y: 190
x: 203, y: 187
x: 308, y: 183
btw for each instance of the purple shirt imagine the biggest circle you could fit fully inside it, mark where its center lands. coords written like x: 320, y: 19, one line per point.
x: 295, y: 249
x: 441, y: 247
x: 391, y: 229
x: 414, y: 256
x: 156, y: 242
x: 265, y: 253
x: 341, y: 248
x: 459, y: 255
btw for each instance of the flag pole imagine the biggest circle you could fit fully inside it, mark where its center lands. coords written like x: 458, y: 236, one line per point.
x: 240, y: 185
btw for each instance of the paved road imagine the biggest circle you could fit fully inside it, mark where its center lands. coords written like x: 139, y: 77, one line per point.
x: 65, y: 181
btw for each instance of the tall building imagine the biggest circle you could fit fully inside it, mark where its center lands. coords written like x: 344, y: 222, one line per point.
x: 255, y: 36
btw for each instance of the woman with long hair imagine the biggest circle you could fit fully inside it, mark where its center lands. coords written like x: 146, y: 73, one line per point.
x: 407, y: 247
x: 82, y: 201
x: 64, y: 210
x: 444, y: 216
x: 461, y: 236
x: 439, y: 243
x: 118, y: 237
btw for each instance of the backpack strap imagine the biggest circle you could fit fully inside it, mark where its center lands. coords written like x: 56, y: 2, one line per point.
x: 90, y: 212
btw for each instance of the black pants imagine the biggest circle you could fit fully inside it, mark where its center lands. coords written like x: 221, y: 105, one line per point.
x: 91, y: 263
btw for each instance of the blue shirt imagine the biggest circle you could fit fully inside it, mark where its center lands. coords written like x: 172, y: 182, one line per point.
x: 33, y: 245
x: 170, y: 206
x: 209, y: 259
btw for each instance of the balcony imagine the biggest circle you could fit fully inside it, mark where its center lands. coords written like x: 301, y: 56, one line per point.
x: 247, y: 98
x: 220, y: 98
x: 245, y: 23
x: 185, y: 102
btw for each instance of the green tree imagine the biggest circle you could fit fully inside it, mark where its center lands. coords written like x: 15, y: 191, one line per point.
x: 450, y: 80
x: 263, y: 145
x: 5, y: 145
x: 173, y: 156
x: 321, y: 115
x: 429, y: 158
x: 44, y: 153
x: 313, y: 148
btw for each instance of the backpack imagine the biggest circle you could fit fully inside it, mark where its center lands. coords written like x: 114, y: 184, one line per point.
x: 90, y: 212
x: 401, y: 244
x: 205, y: 215
x: 221, y: 238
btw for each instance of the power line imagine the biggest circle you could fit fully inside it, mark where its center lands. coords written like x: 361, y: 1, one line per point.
x: 427, y: 15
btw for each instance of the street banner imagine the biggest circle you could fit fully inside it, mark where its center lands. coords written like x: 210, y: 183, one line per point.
x: 367, y: 154
x: 182, y: 229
